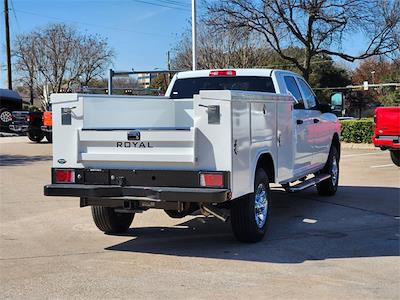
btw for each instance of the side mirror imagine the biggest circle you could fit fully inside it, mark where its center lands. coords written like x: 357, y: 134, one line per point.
x: 337, y: 103
x: 324, y: 108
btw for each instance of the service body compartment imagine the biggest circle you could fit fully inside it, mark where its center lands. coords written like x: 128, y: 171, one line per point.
x: 223, y: 131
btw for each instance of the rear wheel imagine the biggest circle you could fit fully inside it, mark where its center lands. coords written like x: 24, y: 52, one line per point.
x: 329, y: 186
x: 35, y: 135
x: 109, y: 221
x: 395, y: 156
x: 250, y: 214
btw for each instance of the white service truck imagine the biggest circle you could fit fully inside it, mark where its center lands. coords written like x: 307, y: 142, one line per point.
x: 214, y: 143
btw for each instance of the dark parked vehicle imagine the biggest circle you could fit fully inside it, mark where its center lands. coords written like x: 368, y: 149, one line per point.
x: 9, y: 101
x: 31, y: 123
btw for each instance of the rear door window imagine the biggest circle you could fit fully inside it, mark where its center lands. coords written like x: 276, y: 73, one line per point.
x: 293, y: 89
x: 310, y: 101
x: 187, y: 87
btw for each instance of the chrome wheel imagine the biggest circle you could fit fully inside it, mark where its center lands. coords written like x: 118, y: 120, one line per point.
x: 334, y: 171
x: 261, y: 205
x: 6, y: 117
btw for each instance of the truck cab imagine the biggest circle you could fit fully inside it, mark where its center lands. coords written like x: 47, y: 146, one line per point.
x: 214, y: 143
x: 387, y: 131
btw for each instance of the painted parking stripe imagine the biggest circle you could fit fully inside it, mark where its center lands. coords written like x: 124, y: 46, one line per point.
x: 382, y: 166
x: 363, y: 154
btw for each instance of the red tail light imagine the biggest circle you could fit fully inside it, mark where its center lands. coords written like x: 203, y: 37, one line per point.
x: 223, y: 73
x: 212, y: 179
x: 64, y: 176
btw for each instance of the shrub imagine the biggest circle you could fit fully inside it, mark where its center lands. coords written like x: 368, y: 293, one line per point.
x: 357, y: 131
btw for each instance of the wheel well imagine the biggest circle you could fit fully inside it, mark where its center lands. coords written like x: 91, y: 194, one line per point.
x: 266, y: 162
x: 336, y: 143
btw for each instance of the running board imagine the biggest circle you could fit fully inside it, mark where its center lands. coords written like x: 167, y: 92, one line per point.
x: 308, y: 183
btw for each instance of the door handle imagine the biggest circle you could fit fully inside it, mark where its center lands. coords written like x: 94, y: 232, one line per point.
x: 316, y: 121
x: 299, y: 122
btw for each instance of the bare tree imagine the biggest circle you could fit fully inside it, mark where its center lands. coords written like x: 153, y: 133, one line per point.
x: 58, y: 55
x: 91, y: 58
x: 220, y: 49
x: 26, y: 63
x: 317, y: 26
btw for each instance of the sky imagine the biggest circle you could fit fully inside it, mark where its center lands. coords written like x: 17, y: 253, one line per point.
x: 141, y: 32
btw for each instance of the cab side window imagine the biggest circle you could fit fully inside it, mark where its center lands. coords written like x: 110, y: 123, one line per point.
x: 295, y: 91
x: 309, y: 97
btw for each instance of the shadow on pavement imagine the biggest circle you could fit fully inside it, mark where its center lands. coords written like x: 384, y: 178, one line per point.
x: 303, y: 227
x: 19, y: 160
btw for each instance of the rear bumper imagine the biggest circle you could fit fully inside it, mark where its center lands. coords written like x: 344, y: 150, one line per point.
x: 173, y: 194
x: 386, y: 142
x: 19, y: 128
x: 46, y: 128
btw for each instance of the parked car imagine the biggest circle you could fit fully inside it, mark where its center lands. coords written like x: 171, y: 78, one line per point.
x: 215, y: 143
x: 9, y: 101
x: 387, y: 131
x: 32, y: 124
x: 47, y: 126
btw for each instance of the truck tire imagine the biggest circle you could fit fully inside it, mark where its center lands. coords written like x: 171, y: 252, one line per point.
x: 49, y: 137
x: 329, y: 186
x: 5, y: 118
x: 35, y: 135
x: 395, y: 156
x: 250, y: 214
x: 109, y: 221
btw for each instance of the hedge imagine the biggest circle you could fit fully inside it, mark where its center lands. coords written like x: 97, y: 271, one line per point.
x: 357, y: 131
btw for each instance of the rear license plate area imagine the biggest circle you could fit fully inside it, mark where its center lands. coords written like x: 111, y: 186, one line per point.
x: 97, y: 176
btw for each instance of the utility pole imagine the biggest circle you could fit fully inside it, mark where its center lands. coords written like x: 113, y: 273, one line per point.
x: 8, y: 51
x: 110, y: 81
x: 169, y: 60
x: 194, y: 36
x: 169, y: 66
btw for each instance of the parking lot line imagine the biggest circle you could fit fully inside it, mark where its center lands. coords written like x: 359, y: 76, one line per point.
x: 362, y: 154
x: 382, y: 166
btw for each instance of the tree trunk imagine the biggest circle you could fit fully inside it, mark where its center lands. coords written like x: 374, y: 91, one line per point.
x: 31, y: 90
x: 307, y: 64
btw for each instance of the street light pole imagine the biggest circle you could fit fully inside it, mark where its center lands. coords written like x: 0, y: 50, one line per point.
x: 194, y: 36
x: 8, y: 51
x: 110, y: 81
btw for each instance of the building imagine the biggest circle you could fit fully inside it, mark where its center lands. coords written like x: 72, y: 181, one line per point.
x: 145, y: 79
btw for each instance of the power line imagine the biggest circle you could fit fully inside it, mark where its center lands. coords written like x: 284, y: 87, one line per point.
x: 90, y: 24
x: 177, y: 3
x: 15, y: 15
x: 162, y: 5
x: 294, y: 65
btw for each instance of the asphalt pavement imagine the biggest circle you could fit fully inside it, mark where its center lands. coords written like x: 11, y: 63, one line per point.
x: 341, y: 247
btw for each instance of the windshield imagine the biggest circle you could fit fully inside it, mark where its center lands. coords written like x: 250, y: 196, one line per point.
x: 187, y: 87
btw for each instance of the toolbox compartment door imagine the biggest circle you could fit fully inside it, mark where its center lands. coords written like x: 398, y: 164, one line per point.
x: 166, y: 145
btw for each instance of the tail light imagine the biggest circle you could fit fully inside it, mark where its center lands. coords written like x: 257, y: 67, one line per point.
x: 47, y: 118
x: 212, y: 179
x: 223, y: 73
x: 28, y: 118
x: 64, y: 176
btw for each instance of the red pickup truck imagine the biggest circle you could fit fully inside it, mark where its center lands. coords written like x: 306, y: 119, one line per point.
x: 387, y: 131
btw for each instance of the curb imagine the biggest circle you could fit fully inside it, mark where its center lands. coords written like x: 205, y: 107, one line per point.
x: 357, y: 146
